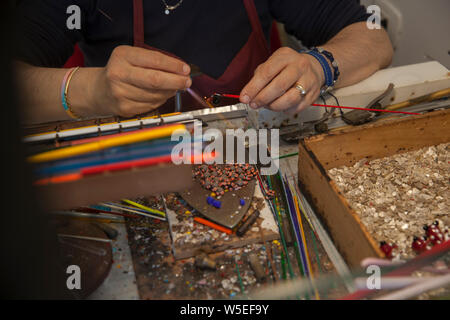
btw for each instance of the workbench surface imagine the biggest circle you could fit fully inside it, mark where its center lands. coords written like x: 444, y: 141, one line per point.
x: 157, y: 275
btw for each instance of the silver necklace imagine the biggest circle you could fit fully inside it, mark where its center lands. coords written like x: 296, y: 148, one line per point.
x: 171, y: 8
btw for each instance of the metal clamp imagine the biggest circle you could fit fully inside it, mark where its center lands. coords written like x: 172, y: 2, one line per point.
x: 358, y: 117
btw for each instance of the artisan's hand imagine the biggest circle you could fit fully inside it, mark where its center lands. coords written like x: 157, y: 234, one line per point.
x: 138, y: 80
x: 273, y: 85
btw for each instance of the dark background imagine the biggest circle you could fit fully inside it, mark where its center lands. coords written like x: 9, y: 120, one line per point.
x: 29, y: 267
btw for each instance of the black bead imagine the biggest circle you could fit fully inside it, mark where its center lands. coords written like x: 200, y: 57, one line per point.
x: 216, y: 99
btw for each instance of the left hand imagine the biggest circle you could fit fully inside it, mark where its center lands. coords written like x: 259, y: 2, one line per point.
x: 273, y: 84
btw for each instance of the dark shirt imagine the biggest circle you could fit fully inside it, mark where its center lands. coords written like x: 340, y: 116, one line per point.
x: 206, y: 33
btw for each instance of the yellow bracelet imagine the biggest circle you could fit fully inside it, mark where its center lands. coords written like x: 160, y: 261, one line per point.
x: 65, y: 89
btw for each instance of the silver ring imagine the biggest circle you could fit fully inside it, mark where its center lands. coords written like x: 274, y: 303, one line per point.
x: 300, y: 88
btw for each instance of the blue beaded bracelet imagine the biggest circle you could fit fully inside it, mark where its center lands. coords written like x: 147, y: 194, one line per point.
x: 321, y: 55
x: 326, y: 68
x: 333, y: 62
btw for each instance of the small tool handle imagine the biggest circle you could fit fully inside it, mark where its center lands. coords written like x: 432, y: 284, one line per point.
x: 257, y: 267
x: 286, y: 230
x: 246, y: 225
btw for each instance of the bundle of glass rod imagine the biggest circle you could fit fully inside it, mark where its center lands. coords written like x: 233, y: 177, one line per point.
x: 277, y: 217
x: 289, y: 203
x: 87, y: 156
x: 318, y: 235
x: 112, y: 212
x: 296, y: 221
x: 136, y: 208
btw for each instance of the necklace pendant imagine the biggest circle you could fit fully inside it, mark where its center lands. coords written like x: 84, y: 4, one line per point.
x: 167, y: 11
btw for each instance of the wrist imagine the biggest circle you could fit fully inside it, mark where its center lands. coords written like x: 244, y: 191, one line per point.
x: 96, y: 92
x: 65, y: 93
x: 331, y: 61
x: 316, y: 68
x: 78, y: 95
x: 329, y: 67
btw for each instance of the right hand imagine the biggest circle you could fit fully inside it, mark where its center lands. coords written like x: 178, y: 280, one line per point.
x: 138, y: 80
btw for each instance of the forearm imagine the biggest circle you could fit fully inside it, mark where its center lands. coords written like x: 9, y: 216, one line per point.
x: 134, y: 81
x: 40, y: 93
x: 360, y: 52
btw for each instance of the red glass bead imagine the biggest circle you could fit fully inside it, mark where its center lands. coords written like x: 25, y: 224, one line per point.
x: 387, y: 249
x: 419, y: 244
x: 434, y: 233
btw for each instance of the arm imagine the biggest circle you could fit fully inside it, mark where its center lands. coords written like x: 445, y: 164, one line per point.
x: 41, y: 97
x: 359, y: 51
x: 134, y: 81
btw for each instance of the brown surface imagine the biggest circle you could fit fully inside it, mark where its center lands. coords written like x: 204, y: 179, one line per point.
x: 94, y: 260
x: 226, y: 216
x: 112, y: 186
x: 160, y: 276
x: 347, y: 147
x: 229, y: 242
x: 218, y: 241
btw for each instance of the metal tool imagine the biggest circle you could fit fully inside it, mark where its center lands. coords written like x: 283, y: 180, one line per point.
x: 286, y: 229
x: 247, y: 223
x: 195, y: 72
x: 358, y: 117
x: 202, y: 261
x: 83, y: 237
x: 178, y: 101
x: 257, y: 267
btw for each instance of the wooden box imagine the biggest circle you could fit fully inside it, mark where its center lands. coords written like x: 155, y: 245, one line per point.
x: 346, y: 147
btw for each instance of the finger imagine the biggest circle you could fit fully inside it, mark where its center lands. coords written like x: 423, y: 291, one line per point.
x: 263, y: 75
x: 305, y: 103
x: 293, y: 96
x: 151, y: 59
x: 277, y: 87
x: 155, y: 79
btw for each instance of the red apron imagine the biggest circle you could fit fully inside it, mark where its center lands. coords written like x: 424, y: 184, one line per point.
x: 237, y: 74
